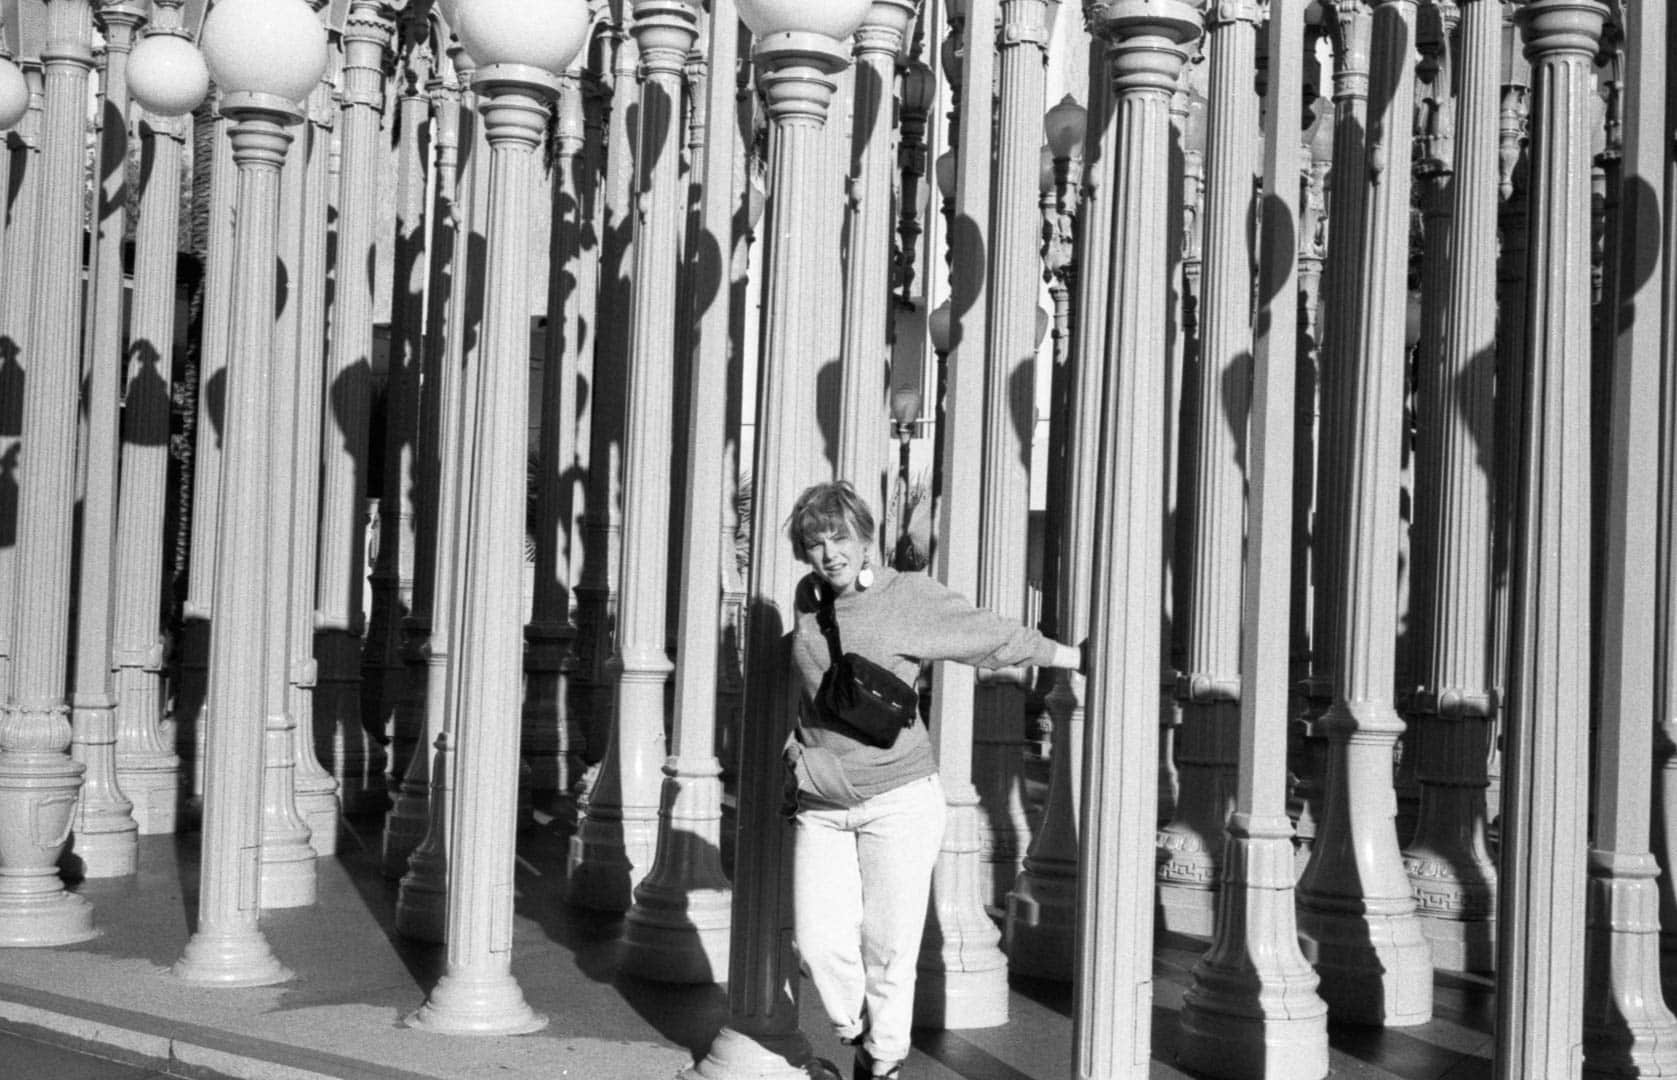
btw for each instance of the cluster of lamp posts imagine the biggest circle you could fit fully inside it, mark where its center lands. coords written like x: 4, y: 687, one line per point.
x: 267, y: 57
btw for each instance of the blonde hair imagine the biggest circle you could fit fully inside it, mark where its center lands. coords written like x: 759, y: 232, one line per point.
x: 832, y: 507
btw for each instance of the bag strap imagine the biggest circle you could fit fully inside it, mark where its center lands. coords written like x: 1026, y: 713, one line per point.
x: 829, y: 624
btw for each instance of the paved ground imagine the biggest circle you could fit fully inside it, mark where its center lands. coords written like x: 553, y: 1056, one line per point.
x: 341, y: 1017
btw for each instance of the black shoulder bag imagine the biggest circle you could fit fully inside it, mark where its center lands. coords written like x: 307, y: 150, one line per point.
x: 857, y: 693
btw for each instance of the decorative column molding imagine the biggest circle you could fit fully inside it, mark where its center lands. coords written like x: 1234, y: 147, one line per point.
x: 1356, y: 909
x: 421, y: 901
x: 392, y: 636
x: 1448, y: 861
x: 1627, y: 1027
x: 147, y: 768
x: 1541, y: 909
x: 316, y: 788
x: 477, y: 993
x: 1208, y: 686
x: 616, y: 839
x: 1112, y: 1003
x: 39, y: 781
x: 962, y: 972
x: 679, y: 926
x: 287, y: 858
x: 105, y: 834
x: 864, y: 433
x: 400, y: 714
x: 355, y: 757
x: 761, y: 1040
x: 1004, y: 505
x: 228, y: 948
x: 1042, y: 906
x: 1252, y: 1010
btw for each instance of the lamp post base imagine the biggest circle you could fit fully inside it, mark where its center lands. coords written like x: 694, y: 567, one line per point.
x: 477, y: 1004
x: 230, y: 958
x: 737, y: 1055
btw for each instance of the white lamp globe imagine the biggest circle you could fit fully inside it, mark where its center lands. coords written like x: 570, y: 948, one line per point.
x: 167, y: 75
x: 275, y: 47
x: 545, y: 34
x: 14, y: 94
x: 837, y: 19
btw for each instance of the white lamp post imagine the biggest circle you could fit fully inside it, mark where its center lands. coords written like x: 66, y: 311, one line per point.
x: 799, y: 47
x: 167, y: 78
x: 266, y: 56
x: 39, y: 782
x: 522, y: 47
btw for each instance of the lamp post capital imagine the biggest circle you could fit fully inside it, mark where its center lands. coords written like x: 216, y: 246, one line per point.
x: 796, y: 68
x: 665, y: 30
x: 1146, y: 40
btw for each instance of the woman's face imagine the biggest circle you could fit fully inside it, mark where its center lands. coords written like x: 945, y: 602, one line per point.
x: 838, y: 557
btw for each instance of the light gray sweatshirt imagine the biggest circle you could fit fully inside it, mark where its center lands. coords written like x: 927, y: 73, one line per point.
x: 902, y: 621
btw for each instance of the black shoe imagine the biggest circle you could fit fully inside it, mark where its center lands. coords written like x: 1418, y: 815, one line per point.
x: 864, y: 1068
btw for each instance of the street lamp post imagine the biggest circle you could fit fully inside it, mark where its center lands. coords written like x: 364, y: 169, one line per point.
x: 39, y: 781
x: 522, y: 48
x: 799, y: 47
x: 167, y: 77
x: 266, y: 56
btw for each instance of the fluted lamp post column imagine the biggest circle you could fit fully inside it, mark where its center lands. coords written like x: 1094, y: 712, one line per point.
x: 1042, y: 906
x: 104, y: 835
x: 1252, y: 1011
x: 615, y: 842
x: 1356, y: 906
x: 1112, y: 1002
x: 266, y: 56
x: 1541, y: 903
x: 522, y: 47
x: 168, y: 79
x: 865, y: 349
x: 799, y: 47
x: 679, y: 926
x: 39, y: 781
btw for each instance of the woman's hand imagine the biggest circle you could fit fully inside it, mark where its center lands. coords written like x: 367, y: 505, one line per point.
x: 1069, y: 657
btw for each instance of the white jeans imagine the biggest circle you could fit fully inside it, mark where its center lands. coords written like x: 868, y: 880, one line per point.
x: 860, y: 882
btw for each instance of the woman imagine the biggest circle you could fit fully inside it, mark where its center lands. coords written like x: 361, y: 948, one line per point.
x: 868, y: 819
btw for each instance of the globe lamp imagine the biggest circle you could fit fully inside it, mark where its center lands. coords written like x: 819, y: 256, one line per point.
x: 939, y: 325
x: 837, y: 19
x: 167, y: 75
x: 919, y: 88
x: 265, y: 47
x: 545, y: 34
x: 14, y: 94
x: 1064, y: 125
x: 1047, y: 175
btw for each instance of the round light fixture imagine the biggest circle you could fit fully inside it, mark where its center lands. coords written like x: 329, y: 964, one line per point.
x: 545, y: 34
x: 837, y: 19
x: 1064, y: 125
x: 167, y: 75
x: 14, y: 94
x: 275, y: 47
